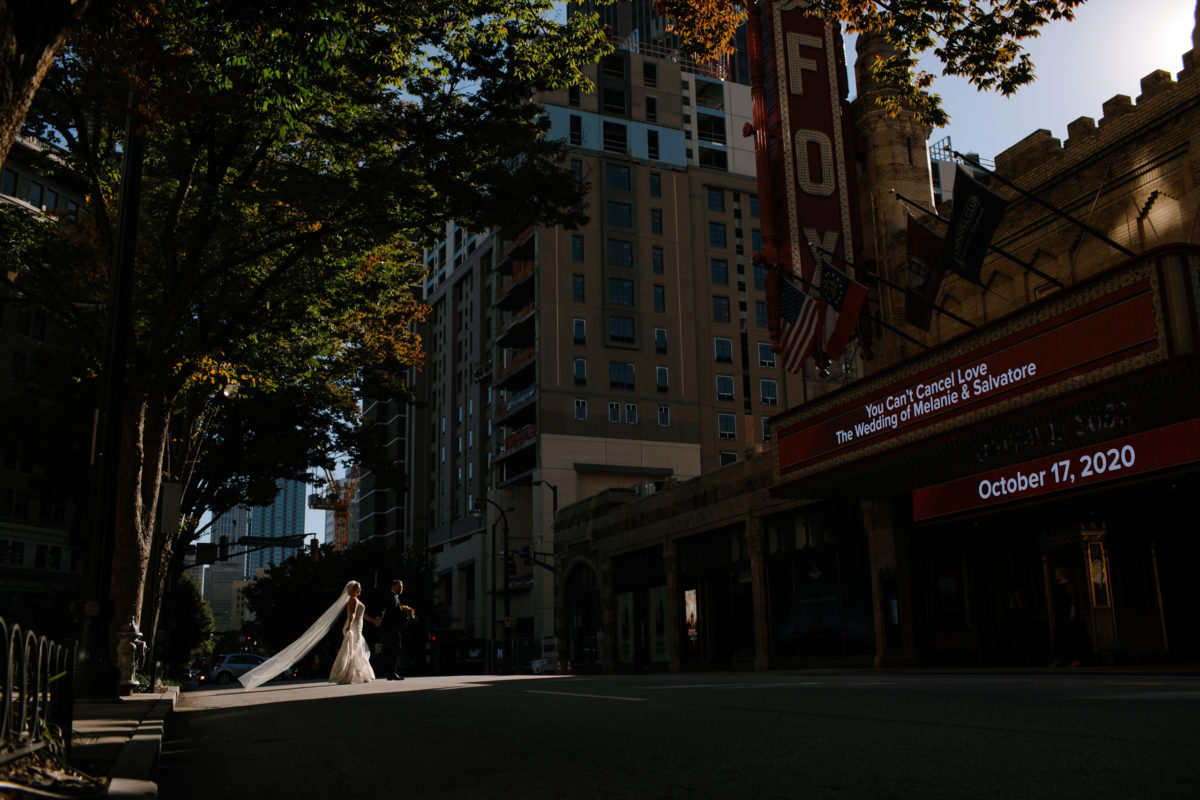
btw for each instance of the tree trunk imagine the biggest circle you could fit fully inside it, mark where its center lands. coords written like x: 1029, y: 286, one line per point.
x: 30, y: 37
x: 143, y: 444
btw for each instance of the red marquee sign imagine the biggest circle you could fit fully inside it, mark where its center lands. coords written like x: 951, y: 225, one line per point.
x: 1107, y: 330
x: 1171, y: 446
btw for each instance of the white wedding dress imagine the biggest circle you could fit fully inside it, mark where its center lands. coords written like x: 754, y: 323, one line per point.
x: 353, y: 662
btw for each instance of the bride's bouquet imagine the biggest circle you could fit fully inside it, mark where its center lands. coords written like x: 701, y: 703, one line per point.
x: 409, y: 613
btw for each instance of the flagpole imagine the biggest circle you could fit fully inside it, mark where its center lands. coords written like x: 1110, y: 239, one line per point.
x: 805, y: 283
x: 1049, y: 207
x: 886, y: 282
x: 1004, y: 254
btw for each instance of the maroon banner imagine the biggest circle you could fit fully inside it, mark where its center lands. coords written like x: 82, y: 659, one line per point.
x: 1109, y: 329
x: 1161, y: 448
x: 809, y: 65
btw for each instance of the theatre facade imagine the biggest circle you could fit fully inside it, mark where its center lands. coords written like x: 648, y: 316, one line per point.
x: 924, y: 509
x: 918, y: 516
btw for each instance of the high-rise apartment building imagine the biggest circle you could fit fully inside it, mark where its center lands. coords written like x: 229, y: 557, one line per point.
x: 283, y: 517
x: 632, y: 352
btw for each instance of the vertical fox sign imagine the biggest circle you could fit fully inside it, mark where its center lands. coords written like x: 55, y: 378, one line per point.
x: 808, y: 63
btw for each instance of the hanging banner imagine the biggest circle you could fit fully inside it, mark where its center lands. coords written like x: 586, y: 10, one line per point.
x: 809, y: 68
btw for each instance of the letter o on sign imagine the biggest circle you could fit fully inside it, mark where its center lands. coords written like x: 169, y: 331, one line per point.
x: 803, y: 138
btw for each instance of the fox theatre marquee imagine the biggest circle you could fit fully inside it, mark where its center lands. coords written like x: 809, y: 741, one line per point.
x: 1064, y: 436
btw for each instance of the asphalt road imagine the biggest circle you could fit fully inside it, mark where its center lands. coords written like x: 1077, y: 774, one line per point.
x: 695, y: 735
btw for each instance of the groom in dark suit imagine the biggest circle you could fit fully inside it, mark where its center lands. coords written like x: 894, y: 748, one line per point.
x: 391, y: 622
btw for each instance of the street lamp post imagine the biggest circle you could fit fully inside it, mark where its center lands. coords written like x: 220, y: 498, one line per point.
x: 507, y: 594
x: 553, y: 493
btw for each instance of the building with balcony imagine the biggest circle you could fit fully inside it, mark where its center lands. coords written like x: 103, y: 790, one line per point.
x: 632, y: 352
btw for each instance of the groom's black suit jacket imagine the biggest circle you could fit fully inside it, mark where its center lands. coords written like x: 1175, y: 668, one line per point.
x: 391, y: 622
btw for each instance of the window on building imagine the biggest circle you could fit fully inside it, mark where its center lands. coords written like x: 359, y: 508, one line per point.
x: 614, y: 100
x: 720, y: 308
x: 716, y: 234
x: 631, y: 413
x: 9, y: 184
x: 576, y: 134
x: 766, y: 429
x: 652, y: 151
x: 620, y: 375
x: 579, y: 330
x: 760, y: 313
x: 711, y: 128
x: 724, y: 387
x: 620, y: 215
x: 51, y: 201
x: 616, y: 176
x: 723, y: 350
x: 614, y: 412
x: 620, y: 253
x: 620, y: 330
x: 768, y: 391
x: 656, y: 259
x: 716, y: 199
x: 660, y: 297
x: 760, y: 278
x: 728, y: 457
x: 36, y: 191
x: 662, y: 379
x: 649, y: 74
x: 660, y: 340
x: 615, y: 138
x: 754, y: 206
x: 655, y: 184
x: 573, y: 95
x: 577, y: 248
x: 719, y: 268
x: 577, y: 284
x: 580, y: 412
x: 664, y: 416
x: 756, y: 241
x: 766, y: 356
x: 581, y: 371
x: 713, y: 158
x: 651, y: 109
x: 656, y: 221
x: 620, y: 292
x: 726, y: 426
x: 613, y: 66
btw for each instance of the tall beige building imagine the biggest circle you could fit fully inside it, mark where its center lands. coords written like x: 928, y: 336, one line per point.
x: 633, y: 352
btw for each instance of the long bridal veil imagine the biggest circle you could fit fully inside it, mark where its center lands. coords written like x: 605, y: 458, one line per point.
x: 295, y: 651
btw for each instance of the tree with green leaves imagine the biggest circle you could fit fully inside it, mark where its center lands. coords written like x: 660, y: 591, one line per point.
x: 298, y: 155
x: 189, y: 624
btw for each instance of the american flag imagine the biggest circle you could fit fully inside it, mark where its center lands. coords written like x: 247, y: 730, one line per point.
x: 801, y: 316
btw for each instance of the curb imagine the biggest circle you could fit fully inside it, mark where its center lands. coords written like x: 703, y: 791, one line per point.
x: 131, y: 773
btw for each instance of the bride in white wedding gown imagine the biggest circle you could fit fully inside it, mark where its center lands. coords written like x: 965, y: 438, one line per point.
x: 353, y: 662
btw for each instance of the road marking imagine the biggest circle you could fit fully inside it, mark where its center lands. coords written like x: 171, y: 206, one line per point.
x: 597, y: 696
x: 736, y: 685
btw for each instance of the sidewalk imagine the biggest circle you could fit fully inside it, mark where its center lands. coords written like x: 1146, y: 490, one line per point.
x: 122, y: 739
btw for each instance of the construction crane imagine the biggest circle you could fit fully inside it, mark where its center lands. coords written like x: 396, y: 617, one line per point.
x: 337, y: 497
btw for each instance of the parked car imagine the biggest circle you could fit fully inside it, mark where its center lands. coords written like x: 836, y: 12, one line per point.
x: 231, y: 666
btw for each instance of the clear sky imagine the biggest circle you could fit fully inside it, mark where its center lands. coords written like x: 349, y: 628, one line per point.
x: 1107, y: 50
